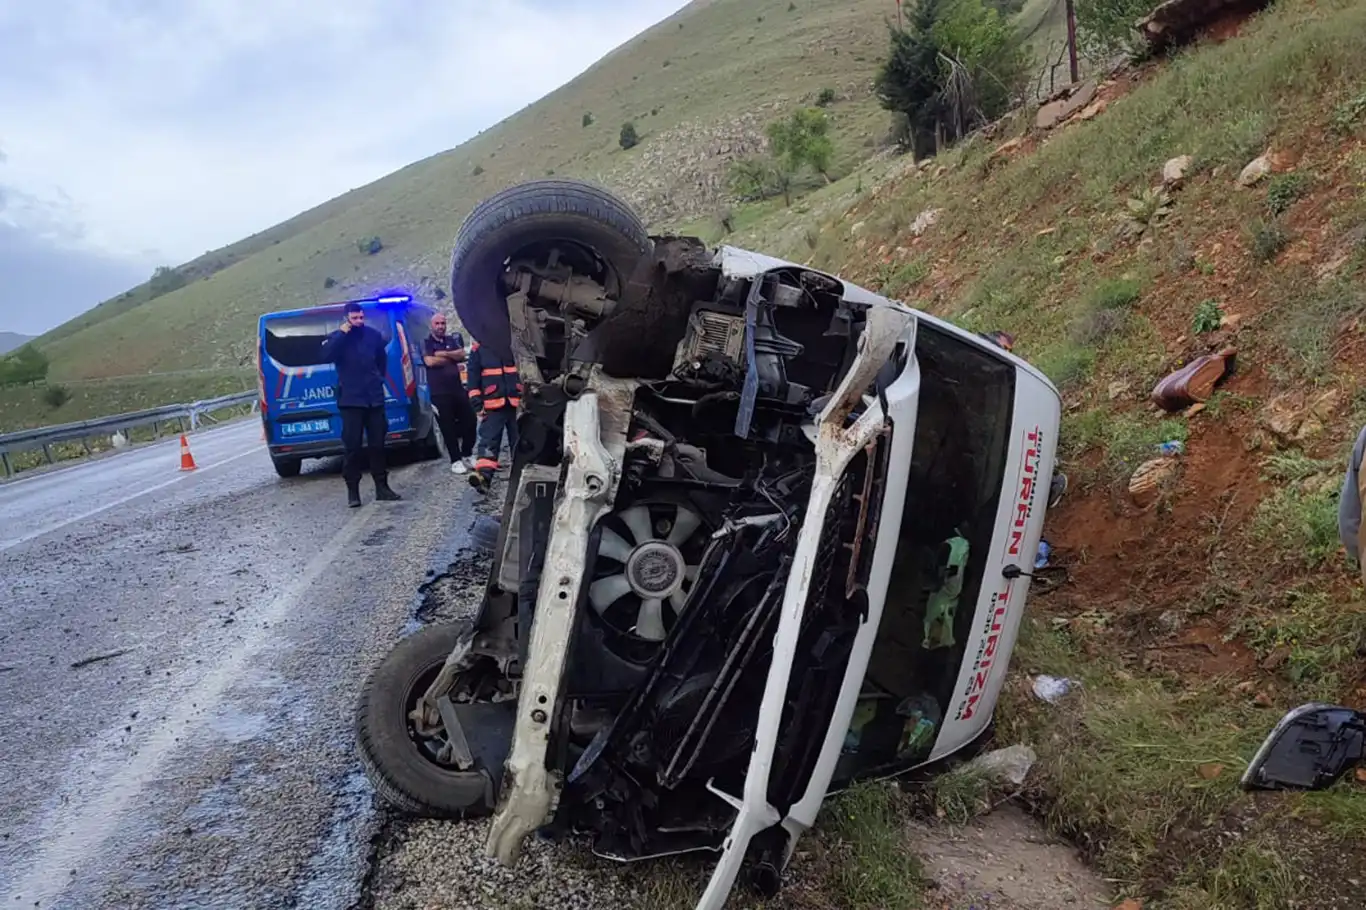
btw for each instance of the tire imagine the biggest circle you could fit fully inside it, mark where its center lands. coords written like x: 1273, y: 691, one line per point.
x: 287, y: 467
x: 534, y: 212
x: 400, y: 774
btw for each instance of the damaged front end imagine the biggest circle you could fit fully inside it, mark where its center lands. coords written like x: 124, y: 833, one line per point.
x: 693, y: 625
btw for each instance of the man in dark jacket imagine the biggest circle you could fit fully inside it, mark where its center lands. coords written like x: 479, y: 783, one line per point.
x: 360, y: 358
x: 496, y: 393
x: 443, y: 353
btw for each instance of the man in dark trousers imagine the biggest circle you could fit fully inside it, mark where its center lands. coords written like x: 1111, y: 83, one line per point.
x: 496, y: 392
x: 358, y: 352
x: 443, y: 353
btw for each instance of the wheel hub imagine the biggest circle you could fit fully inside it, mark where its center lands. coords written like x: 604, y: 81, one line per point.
x: 655, y: 570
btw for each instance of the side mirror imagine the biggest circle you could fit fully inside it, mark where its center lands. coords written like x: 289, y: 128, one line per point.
x: 1311, y: 748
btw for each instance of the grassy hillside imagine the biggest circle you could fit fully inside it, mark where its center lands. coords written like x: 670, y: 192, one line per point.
x: 698, y: 85
x: 1191, y: 625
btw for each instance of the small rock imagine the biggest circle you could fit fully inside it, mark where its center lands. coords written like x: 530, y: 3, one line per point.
x: 1170, y: 620
x: 1282, y: 416
x: 1118, y: 389
x: 940, y: 171
x: 1262, y: 700
x: 924, y: 221
x: 1055, y: 112
x: 1231, y: 321
x: 1256, y: 169
x: 1094, y: 110
x: 1152, y: 478
x: 858, y: 226
x: 1130, y: 904
x: 1175, y: 170
x: 1324, y: 405
x: 1010, y: 765
x: 1006, y: 148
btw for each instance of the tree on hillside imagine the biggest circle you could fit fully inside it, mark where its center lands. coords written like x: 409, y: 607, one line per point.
x: 26, y: 366
x: 802, y: 140
x: 956, y: 65
x: 165, y: 280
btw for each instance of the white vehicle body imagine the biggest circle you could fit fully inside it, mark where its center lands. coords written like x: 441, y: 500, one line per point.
x: 789, y: 551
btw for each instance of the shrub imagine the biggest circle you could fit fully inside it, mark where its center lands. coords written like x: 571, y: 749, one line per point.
x: 755, y: 179
x: 165, y: 280
x: 1106, y: 27
x: 369, y: 245
x: 1283, y: 190
x: 1208, y: 317
x: 54, y: 396
x: 329, y: 283
x: 826, y: 97
x: 478, y: 169
x: 629, y: 138
x: 1116, y: 294
x: 1267, y: 239
x: 587, y: 120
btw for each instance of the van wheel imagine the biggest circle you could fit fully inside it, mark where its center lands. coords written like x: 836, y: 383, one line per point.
x: 287, y: 467
x: 405, y: 775
x: 597, y: 232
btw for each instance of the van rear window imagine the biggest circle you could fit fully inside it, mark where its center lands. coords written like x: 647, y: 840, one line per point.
x: 297, y: 341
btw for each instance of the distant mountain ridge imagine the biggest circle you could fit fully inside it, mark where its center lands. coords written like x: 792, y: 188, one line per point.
x: 11, y: 340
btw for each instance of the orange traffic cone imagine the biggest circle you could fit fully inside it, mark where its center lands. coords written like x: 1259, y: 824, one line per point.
x: 186, y: 459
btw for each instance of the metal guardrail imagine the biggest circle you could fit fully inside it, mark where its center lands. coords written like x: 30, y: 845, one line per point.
x: 82, y: 430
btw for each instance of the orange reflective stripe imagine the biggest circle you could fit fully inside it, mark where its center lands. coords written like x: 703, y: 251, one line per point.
x: 494, y: 404
x: 496, y: 371
x: 515, y: 402
x: 474, y: 393
x: 483, y: 463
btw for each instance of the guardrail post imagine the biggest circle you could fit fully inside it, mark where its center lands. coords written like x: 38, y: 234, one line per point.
x: 9, y: 468
x: 85, y: 444
x: 47, y: 451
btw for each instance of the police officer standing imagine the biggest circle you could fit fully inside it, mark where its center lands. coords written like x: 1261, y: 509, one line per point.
x: 358, y: 353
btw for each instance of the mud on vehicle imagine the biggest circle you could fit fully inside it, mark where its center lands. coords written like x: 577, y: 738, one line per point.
x: 763, y: 536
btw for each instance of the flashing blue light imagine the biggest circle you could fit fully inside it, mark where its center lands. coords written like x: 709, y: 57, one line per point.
x: 398, y: 298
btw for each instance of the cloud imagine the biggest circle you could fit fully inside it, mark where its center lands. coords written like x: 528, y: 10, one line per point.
x: 177, y: 126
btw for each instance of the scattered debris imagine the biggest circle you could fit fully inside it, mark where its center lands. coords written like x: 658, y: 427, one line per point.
x: 86, y: 661
x: 1209, y: 770
x: 1051, y: 688
x: 1256, y: 169
x: 1193, y: 382
x: 1151, y: 480
x: 1005, y: 766
x: 1175, y: 170
x: 1172, y: 447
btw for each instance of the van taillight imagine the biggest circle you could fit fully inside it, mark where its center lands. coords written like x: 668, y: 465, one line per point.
x: 409, y: 379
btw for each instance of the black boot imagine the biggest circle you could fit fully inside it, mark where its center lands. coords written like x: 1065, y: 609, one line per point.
x: 353, y: 495
x: 383, y: 493
x: 480, y: 481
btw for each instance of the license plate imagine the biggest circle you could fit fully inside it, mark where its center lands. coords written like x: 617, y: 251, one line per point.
x: 304, y: 427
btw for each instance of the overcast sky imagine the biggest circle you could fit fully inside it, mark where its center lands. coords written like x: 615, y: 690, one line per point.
x: 135, y: 133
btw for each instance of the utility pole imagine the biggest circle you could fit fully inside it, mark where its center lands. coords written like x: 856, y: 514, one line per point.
x: 1071, y: 38
x: 898, y: 15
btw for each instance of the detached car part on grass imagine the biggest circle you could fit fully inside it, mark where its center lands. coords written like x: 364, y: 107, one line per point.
x: 762, y: 537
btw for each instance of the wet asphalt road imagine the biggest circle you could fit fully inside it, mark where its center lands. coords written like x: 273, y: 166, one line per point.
x: 212, y: 763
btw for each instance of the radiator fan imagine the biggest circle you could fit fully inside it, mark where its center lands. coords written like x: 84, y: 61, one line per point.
x: 646, y: 564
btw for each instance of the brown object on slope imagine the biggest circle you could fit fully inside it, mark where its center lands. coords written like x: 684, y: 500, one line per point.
x: 1178, y: 22
x: 1194, y: 382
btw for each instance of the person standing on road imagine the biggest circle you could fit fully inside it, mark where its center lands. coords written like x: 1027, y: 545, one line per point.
x: 360, y: 358
x: 496, y: 392
x: 443, y: 353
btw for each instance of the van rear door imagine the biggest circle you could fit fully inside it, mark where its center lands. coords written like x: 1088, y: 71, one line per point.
x: 300, y: 389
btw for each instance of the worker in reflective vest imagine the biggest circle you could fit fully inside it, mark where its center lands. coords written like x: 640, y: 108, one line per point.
x: 495, y: 391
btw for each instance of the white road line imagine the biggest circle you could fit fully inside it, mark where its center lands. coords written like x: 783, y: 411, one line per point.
x: 72, y: 836
x: 10, y: 544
